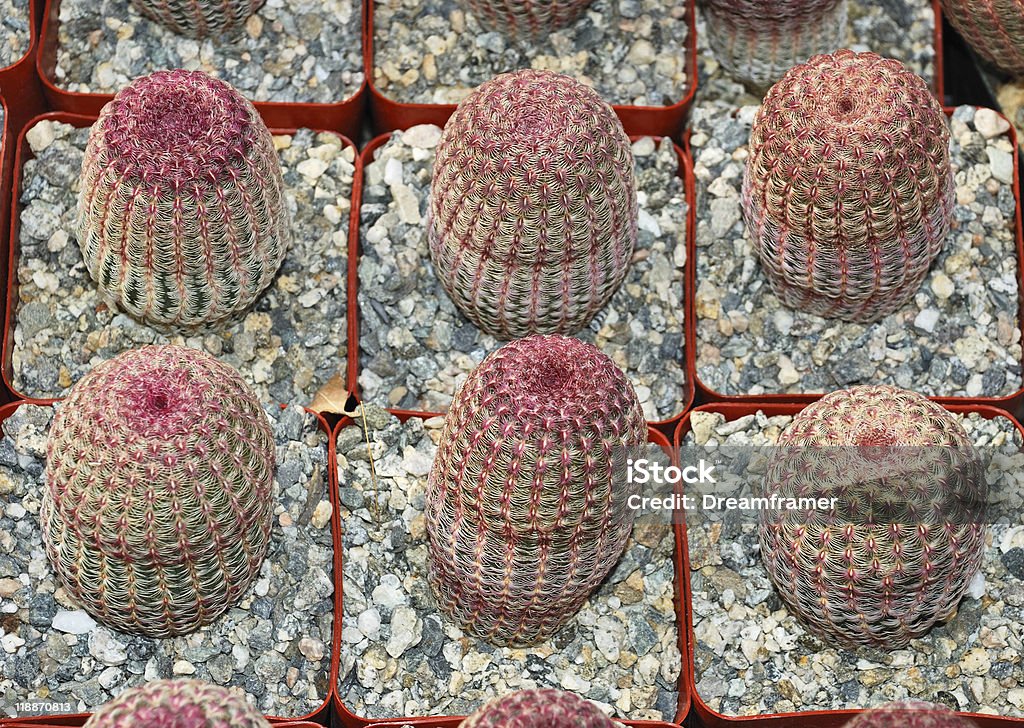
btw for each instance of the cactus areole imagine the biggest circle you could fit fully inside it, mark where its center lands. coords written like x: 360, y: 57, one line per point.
x: 905, y: 534
x: 533, y: 211
x: 156, y: 514
x: 544, y: 708
x: 178, y: 704
x: 214, y: 19
x: 182, y: 218
x: 524, y: 517
x: 848, y: 191
x: 910, y: 714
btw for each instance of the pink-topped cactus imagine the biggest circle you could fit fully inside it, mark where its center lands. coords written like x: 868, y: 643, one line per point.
x: 200, y: 19
x: 757, y: 41
x: 525, y: 512
x: 994, y: 28
x: 848, y: 191
x: 910, y: 714
x: 158, y: 505
x: 526, y: 20
x: 178, y: 704
x: 182, y: 218
x: 896, y: 548
x: 545, y: 708
x: 533, y: 211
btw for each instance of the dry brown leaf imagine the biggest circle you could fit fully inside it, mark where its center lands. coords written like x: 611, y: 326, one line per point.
x: 332, y: 397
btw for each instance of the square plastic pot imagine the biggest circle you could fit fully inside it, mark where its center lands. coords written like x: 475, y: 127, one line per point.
x: 22, y: 152
x: 344, y: 116
x: 456, y: 721
x: 1013, y: 403
x: 687, y: 359
x: 18, y: 81
x: 347, y: 719
x: 316, y: 718
x: 388, y: 115
x: 805, y: 719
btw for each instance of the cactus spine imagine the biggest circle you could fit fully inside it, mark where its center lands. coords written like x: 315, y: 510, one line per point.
x: 757, y: 41
x: 199, y: 18
x: 905, y: 533
x: 848, y: 192
x: 533, y: 212
x: 182, y: 218
x: 524, y: 517
x: 545, y: 708
x: 994, y: 28
x: 157, y: 509
x: 910, y: 714
x: 526, y: 20
x: 177, y: 704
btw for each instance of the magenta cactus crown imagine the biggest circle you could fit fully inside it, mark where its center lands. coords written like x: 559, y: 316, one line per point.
x: 174, y: 127
x: 157, y: 391
x: 551, y: 379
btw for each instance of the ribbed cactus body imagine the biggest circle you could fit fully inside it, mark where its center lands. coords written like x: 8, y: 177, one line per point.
x: 546, y: 708
x: 757, y: 41
x: 910, y: 714
x: 524, y: 518
x: 182, y: 219
x: 848, y: 192
x: 525, y: 20
x: 157, y: 509
x: 994, y: 28
x: 199, y: 18
x: 533, y: 211
x: 177, y: 704
x: 905, y: 535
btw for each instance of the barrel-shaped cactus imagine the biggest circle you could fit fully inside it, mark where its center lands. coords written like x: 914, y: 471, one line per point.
x: 994, y: 28
x: 848, y: 191
x: 182, y: 218
x: 545, y: 708
x: 156, y: 514
x: 178, y: 704
x: 757, y: 41
x: 910, y: 714
x: 526, y: 512
x: 200, y: 19
x: 526, y: 20
x: 533, y: 210
x: 902, y: 530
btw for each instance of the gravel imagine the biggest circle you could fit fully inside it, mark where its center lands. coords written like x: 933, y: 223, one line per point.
x: 753, y: 657
x: 307, y: 51
x: 275, y: 644
x: 416, y: 348
x: 401, y: 656
x: 959, y: 336
x: 15, y: 34
x: 901, y: 29
x: 290, y: 343
x: 630, y: 51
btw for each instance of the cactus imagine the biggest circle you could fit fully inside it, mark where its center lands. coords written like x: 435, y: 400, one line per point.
x: 910, y: 714
x: 905, y: 533
x: 848, y: 192
x: 545, y: 708
x: 181, y: 210
x: 993, y: 28
x: 157, y: 509
x: 199, y: 19
x: 757, y: 41
x: 177, y: 704
x: 525, y: 20
x: 523, y: 515
x: 533, y: 212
